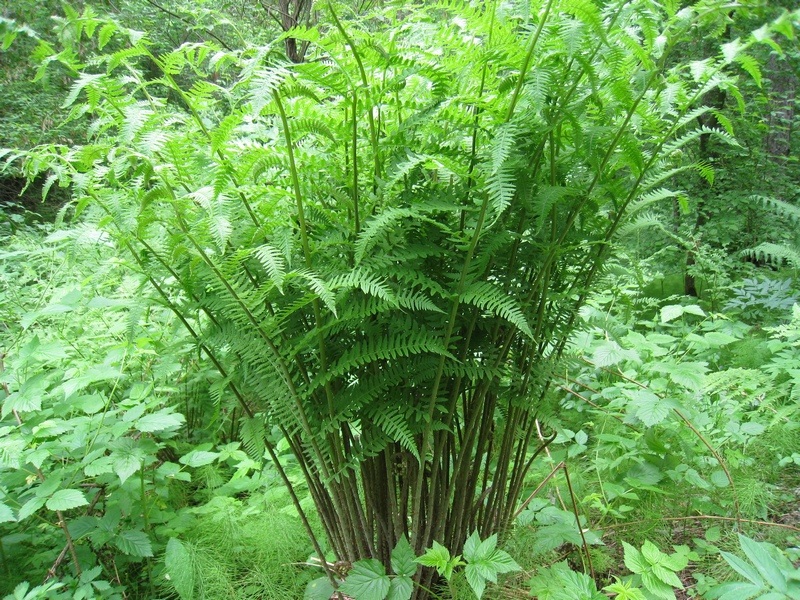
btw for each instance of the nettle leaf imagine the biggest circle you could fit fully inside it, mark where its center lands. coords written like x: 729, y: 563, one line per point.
x: 134, y: 543
x: 66, y: 500
x: 367, y: 581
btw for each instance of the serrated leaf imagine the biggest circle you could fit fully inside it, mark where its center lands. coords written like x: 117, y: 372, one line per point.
x: 198, y: 458
x: 611, y: 353
x: 651, y: 553
x: 134, y: 543
x: 667, y: 576
x: 400, y: 588
x: 126, y: 465
x: 760, y: 558
x: 657, y: 587
x: 649, y: 408
x: 30, y: 507
x: 436, y: 556
x: 475, y: 579
x: 319, y: 589
x: 66, y: 500
x: 160, y: 421
x: 403, y: 563
x: 178, y: 563
x: 634, y: 560
x: 6, y: 514
x: 367, y: 580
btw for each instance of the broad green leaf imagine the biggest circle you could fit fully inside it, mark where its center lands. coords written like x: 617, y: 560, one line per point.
x: 66, y: 500
x: 671, y: 312
x: 403, y: 559
x: 198, y: 458
x: 735, y: 590
x: 667, y: 576
x: 476, y: 579
x: 160, y: 421
x: 657, y: 587
x: 134, y: 543
x: 651, y: 553
x: 649, y: 408
x: 367, y: 580
x: 436, y: 556
x: 125, y: 465
x: 318, y: 589
x: 634, y: 560
x: 400, y: 588
x: 30, y: 507
x: 180, y: 568
x: 762, y: 560
x: 719, y: 478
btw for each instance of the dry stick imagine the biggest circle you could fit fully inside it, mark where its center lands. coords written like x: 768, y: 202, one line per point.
x: 578, y: 520
x: 704, y: 518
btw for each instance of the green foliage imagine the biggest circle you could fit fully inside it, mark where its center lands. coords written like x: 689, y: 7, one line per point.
x: 768, y: 573
x: 370, y: 266
x: 559, y: 582
x: 657, y: 571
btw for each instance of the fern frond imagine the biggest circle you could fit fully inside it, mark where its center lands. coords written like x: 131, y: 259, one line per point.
x: 775, y: 254
x: 491, y: 298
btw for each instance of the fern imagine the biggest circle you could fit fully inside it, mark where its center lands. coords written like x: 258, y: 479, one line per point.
x: 489, y: 297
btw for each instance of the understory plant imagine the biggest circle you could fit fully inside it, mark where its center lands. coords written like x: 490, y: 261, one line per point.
x: 383, y: 250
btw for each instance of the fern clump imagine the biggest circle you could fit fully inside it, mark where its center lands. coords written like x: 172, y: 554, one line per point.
x: 383, y: 249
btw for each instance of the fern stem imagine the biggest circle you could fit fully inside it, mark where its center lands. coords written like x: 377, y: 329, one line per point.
x: 526, y: 63
x: 373, y: 134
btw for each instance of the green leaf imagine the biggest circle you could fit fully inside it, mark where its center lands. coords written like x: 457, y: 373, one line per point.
x: 319, y: 589
x: 178, y: 563
x: 400, y: 588
x: 403, y: 562
x: 6, y: 514
x: 671, y: 312
x: 29, y: 508
x: 634, y: 560
x: 198, y: 458
x: 475, y: 579
x: 367, y: 580
x: 657, y: 587
x: 134, y: 543
x: 126, y: 465
x: 436, y: 556
x: 649, y: 408
x: 66, y: 500
x: 160, y: 421
x: 759, y: 555
x: 667, y: 576
x: 735, y: 590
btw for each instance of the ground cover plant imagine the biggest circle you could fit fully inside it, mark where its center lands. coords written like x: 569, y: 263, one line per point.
x: 360, y: 291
